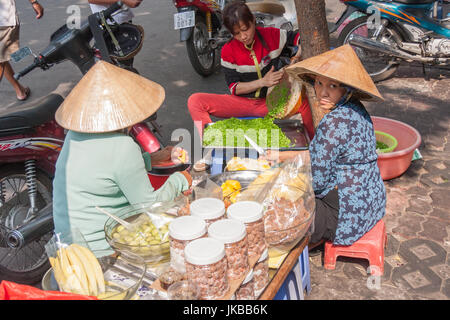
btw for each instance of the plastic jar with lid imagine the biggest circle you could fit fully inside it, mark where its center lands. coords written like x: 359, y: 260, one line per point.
x: 261, y: 273
x: 206, y: 266
x: 246, y: 291
x: 209, y: 209
x: 183, y: 230
x: 232, y: 233
x: 251, y: 214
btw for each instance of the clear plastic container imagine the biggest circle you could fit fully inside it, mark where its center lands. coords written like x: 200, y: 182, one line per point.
x: 246, y: 291
x: 261, y: 273
x: 209, y: 209
x: 183, y: 230
x: 251, y: 214
x: 183, y: 290
x: 206, y: 266
x: 232, y: 233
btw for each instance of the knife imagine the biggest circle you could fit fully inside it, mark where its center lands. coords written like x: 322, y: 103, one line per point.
x: 255, y: 146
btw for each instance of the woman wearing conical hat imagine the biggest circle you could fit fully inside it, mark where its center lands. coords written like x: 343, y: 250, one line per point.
x: 350, y: 194
x: 99, y: 164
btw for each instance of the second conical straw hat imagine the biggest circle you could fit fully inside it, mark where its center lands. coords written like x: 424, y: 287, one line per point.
x: 340, y: 64
x: 109, y: 98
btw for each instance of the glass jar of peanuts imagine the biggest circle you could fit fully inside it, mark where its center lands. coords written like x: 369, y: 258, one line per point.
x: 251, y: 214
x: 209, y: 209
x: 206, y: 266
x: 233, y: 235
x: 261, y: 273
x: 246, y: 291
x: 183, y: 230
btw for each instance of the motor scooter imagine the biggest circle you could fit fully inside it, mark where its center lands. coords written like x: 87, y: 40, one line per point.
x: 30, y: 142
x: 201, y: 26
x: 385, y: 33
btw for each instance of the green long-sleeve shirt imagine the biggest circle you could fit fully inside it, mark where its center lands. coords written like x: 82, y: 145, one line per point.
x: 105, y: 170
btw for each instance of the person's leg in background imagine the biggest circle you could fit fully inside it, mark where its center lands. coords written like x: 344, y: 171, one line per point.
x: 202, y: 105
x: 9, y: 41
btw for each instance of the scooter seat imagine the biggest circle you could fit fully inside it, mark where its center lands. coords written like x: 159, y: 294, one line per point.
x: 415, y: 1
x: 267, y: 6
x: 22, y: 118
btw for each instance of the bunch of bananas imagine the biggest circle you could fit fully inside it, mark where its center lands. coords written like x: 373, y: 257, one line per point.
x: 230, y: 189
x: 77, y: 270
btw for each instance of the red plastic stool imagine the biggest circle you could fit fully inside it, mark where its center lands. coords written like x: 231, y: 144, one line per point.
x: 370, y: 247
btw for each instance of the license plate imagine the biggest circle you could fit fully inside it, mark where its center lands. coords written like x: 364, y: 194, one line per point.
x: 184, y: 19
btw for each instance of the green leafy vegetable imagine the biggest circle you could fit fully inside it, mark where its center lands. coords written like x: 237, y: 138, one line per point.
x: 278, y: 98
x: 230, y: 133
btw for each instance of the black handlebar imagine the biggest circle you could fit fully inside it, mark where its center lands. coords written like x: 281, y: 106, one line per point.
x: 27, y: 69
x: 40, y: 62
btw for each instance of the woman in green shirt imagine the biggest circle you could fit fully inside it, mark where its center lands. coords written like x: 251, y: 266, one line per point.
x: 99, y: 164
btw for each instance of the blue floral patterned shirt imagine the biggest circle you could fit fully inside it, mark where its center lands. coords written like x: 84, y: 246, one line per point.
x: 343, y: 154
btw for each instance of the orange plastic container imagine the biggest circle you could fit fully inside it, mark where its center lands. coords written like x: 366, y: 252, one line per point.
x: 394, y: 164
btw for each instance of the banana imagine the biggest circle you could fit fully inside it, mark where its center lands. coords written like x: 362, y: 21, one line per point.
x: 79, y: 269
x: 88, y: 268
x: 96, y: 266
x: 59, y: 276
x: 71, y: 284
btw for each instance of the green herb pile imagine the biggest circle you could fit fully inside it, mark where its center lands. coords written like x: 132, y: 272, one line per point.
x: 381, y: 145
x: 230, y: 133
x: 278, y: 98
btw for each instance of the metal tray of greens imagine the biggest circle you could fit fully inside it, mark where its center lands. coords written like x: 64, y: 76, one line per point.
x: 292, y: 129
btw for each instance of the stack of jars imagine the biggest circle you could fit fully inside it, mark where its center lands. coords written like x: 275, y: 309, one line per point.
x: 214, y: 249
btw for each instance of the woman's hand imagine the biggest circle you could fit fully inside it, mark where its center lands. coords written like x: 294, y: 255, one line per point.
x: 38, y: 9
x: 188, y: 177
x: 169, y: 154
x: 272, y: 77
x: 272, y: 156
x: 275, y: 157
x: 132, y: 3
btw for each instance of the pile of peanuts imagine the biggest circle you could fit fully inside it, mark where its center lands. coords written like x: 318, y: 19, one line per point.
x: 256, y: 237
x: 280, y: 218
x: 211, y: 279
x: 260, y: 275
x: 237, y: 258
x: 177, y: 253
x: 246, y: 291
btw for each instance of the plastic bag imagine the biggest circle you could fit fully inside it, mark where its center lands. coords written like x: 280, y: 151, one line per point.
x: 74, y: 266
x: 288, y: 199
x: 14, y: 291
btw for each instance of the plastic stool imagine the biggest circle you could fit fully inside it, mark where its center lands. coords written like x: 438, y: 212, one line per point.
x: 370, y: 247
x: 297, y: 280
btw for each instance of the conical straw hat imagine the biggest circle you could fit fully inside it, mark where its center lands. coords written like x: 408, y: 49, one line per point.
x: 340, y: 64
x: 109, y: 98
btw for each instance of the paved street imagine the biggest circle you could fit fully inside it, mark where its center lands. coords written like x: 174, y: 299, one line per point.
x: 417, y: 214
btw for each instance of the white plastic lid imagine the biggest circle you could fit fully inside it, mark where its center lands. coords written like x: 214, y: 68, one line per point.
x: 207, y: 208
x: 187, y: 228
x: 264, y: 255
x: 245, y: 211
x: 204, y: 251
x: 227, y: 230
x: 248, y: 277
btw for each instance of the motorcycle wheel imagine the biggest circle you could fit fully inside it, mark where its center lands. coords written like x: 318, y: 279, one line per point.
x: 201, y: 55
x: 379, y: 66
x: 26, y: 265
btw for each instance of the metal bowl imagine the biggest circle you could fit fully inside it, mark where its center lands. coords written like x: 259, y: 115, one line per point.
x: 122, y: 279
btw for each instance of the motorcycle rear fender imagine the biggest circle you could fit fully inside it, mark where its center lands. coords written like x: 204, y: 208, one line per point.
x: 347, y: 13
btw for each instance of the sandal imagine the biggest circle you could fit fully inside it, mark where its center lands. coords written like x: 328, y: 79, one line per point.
x: 27, y: 94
